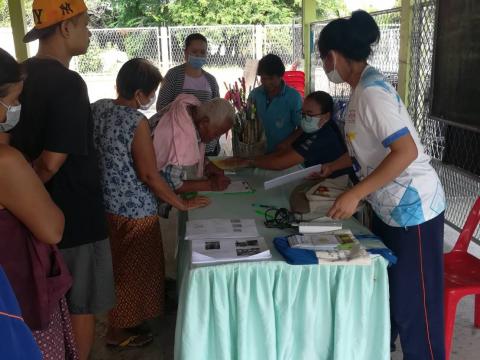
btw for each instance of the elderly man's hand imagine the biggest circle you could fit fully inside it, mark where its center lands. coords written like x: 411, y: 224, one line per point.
x: 211, y: 170
x: 196, y: 202
x: 219, y: 183
x: 237, y: 163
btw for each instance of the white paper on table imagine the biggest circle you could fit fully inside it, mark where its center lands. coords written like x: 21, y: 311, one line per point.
x: 297, y: 175
x: 235, y: 187
x: 220, y: 229
x: 315, y: 227
x: 215, y: 250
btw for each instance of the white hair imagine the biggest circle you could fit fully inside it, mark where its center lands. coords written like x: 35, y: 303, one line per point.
x: 219, y: 112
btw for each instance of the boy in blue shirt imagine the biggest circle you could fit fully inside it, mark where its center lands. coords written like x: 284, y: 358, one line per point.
x: 278, y: 105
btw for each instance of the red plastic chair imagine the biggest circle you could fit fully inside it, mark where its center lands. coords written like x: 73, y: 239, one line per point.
x: 462, y: 276
x: 295, y: 79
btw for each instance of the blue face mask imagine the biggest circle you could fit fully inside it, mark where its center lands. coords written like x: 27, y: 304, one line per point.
x: 309, y: 124
x: 197, y: 61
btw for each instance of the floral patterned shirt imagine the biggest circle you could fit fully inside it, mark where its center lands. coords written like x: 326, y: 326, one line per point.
x: 123, y: 192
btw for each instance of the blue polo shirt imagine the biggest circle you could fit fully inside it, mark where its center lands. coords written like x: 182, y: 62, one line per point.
x: 280, y: 116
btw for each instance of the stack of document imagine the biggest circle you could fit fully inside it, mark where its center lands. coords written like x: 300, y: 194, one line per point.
x: 215, y: 250
x: 315, y: 227
x: 220, y: 229
x: 324, y: 241
x: 225, y: 240
x: 337, y: 247
x: 357, y: 255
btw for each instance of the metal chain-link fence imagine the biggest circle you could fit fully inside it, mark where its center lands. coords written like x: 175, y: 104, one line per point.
x: 298, y: 41
x: 384, y: 56
x: 454, y: 150
x: 284, y: 41
x: 228, y: 49
x: 227, y: 45
x: 110, y: 48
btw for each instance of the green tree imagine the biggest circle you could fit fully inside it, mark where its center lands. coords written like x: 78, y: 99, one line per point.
x: 207, y: 12
x: 329, y: 9
x: 101, y: 13
x: 132, y: 13
x: 4, y: 17
x: 128, y: 13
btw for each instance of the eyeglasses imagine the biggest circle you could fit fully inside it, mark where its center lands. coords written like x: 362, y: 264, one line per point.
x: 279, y: 218
x: 301, y: 113
x: 312, y: 115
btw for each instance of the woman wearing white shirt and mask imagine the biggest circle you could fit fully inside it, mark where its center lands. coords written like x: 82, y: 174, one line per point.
x: 398, y: 181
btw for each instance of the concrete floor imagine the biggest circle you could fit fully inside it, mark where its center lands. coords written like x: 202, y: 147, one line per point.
x: 466, y: 342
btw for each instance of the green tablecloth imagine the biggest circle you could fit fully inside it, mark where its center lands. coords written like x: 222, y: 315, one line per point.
x: 272, y: 310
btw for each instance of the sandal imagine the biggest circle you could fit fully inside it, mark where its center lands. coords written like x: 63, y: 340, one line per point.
x: 142, y: 329
x: 134, y: 341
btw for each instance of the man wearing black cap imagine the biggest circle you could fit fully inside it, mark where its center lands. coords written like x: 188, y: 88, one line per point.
x: 55, y: 133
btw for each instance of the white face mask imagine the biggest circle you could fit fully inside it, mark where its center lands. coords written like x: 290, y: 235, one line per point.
x: 309, y: 124
x: 13, y: 117
x: 333, y: 75
x: 149, y: 104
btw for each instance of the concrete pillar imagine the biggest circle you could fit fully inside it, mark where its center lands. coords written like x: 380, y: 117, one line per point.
x: 164, y: 40
x: 16, y: 9
x: 309, y: 15
x: 406, y: 17
x: 259, y: 41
